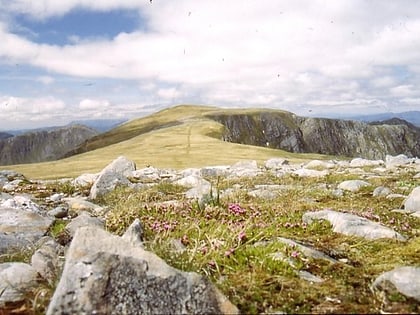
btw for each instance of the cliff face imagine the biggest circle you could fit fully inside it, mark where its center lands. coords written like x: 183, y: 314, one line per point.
x: 42, y: 146
x: 286, y: 131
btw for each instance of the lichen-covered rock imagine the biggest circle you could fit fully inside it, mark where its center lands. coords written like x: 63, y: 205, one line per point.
x: 350, y: 224
x: 106, y: 274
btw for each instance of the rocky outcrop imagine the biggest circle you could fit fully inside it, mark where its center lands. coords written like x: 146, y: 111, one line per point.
x: 44, y: 145
x: 133, y: 280
x: 286, y: 131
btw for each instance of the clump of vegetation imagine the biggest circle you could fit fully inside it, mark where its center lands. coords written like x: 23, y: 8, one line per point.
x: 231, y: 238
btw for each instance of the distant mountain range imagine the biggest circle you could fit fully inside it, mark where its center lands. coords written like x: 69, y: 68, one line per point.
x: 100, y: 125
x: 43, y: 145
x: 411, y: 116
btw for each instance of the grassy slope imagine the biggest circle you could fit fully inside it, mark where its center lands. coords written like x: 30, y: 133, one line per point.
x: 191, y: 140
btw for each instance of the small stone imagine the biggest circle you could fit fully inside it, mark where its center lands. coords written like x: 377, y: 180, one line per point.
x: 58, y: 212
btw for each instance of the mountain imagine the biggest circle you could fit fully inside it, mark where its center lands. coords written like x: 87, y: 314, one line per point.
x: 411, y: 116
x: 101, y: 125
x: 350, y: 138
x: 5, y: 135
x: 277, y: 129
x: 44, y: 145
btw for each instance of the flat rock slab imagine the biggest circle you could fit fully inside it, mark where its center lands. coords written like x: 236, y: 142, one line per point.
x: 350, y: 224
x: 405, y: 280
x: 20, y: 227
x: 106, y: 274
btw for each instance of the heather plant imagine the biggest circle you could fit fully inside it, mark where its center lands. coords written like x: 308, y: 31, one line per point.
x: 233, y: 241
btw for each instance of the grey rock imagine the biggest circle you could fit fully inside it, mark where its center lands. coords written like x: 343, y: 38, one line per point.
x: 319, y: 165
x: 22, y: 203
x: 307, y: 276
x: 360, y: 162
x: 275, y: 163
x: 310, y: 173
x: 111, y: 276
x: 19, y: 228
x: 349, y: 224
x: 147, y: 175
x: 266, y: 194
x: 16, y: 281
x: 214, y: 171
x: 353, y: 185
x: 47, y: 259
x: 381, y: 191
x: 84, y: 219
x: 56, y: 197
x: 12, y: 186
x: 405, y: 280
x: 80, y: 204
x: 412, y: 203
x: 306, y: 250
x: 395, y: 161
x: 247, y: 168
x: 85, y: 180
x: 199, y: 186
x: 134, y: 233
x: 59, y: 212
x: 114, y: 174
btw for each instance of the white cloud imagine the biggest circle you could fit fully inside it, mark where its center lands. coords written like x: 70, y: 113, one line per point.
x: 97, y: 105
x: 273, y: 53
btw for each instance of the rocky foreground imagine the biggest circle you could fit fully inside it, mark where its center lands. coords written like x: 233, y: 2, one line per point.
x: 95, y: 272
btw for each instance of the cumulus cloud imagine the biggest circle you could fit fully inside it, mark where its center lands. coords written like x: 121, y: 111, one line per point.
x: 273, y: 53
x: 89, y: 104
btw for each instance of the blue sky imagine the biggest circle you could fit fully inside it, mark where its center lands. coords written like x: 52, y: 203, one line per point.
x: 77, y: 59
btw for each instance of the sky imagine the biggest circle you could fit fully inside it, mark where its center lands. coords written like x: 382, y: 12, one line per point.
x: 69, y: 60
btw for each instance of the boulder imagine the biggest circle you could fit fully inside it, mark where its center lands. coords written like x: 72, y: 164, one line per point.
x: 406, y: 280
x: 360, y: 162
x: 84, y: 219
x: 46, y: 259
x: 85, y: 180
x: 353, y: 185
x: 350, y: 224
x: 244, y: 169
x: 16, y: 281
x: 114, y: 174
x: 19, y: 228
x: 275, y: 163
x: 412, y: 203
x: 319, y: 165
x: 381, y: 191
x: 79, y: 204
x: 395, y: 161
x: 106, y: 274
x: 148, y: 174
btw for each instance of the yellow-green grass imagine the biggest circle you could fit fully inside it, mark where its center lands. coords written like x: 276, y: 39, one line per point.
x: 194, y: 143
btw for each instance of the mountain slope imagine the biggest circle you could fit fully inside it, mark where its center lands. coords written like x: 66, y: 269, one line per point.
x: 5, y: 135
x: 286, y: 131
x: 43, y: 145
x: 195, y: 136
